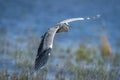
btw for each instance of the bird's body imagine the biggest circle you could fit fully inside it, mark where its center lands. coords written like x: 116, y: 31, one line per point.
x: 45, y: 47
x: 46, y: 43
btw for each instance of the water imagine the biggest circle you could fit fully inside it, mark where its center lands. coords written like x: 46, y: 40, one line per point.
x: 39, y: 15
x: 8, y: 63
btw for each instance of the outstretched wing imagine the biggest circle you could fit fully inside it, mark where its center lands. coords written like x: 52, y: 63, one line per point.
x: 76, y: 19
x: 40, y: 53
x: 42, y: 59
x: 72, y: 19
x: 41, y: 45
x: 45, y: 47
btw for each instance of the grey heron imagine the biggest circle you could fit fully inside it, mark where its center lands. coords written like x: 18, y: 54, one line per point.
x: 46, y: 43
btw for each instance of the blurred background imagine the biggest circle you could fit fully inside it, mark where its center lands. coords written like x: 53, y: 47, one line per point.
x: 89, y: 51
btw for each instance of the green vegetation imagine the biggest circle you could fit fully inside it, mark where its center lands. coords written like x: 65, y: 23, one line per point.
x: 82, y: 63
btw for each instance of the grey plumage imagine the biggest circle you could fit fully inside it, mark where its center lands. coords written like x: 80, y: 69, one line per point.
x: 47, y: 40
x: 47, y: 43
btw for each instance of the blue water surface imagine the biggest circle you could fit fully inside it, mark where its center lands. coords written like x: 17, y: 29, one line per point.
x: 39, y: 15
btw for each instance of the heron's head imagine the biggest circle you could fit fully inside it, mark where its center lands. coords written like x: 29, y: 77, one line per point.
x: 63, y: 27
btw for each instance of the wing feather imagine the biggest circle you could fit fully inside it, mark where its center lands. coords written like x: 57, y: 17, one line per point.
x: 76, y: 19
x: 42, y: 59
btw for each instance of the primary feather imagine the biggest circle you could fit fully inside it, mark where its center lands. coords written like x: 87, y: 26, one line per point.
x: 77, y: 19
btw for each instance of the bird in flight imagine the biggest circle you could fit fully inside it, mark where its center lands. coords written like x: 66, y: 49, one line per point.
x: 46, y: 43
